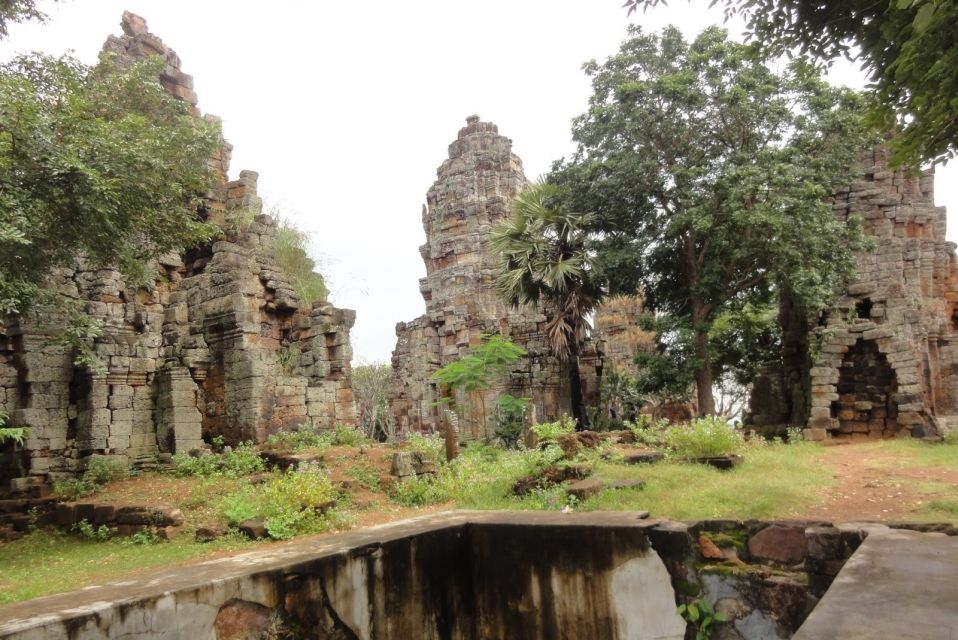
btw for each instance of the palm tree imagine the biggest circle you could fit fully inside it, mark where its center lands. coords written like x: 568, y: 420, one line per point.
x: 546, y: 261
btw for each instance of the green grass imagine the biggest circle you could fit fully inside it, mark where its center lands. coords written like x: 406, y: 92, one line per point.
x: 912, y: 454
x: 774, y: 481
x: 46, y: 562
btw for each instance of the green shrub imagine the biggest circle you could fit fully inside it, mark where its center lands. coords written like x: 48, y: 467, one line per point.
x: 346, y: 436
x: 510, y: 414
x: 244, y: 460
x: 102, y: 470
x: 648, y: 431
x: 303, y: 437
x: 73, y: 489
x: 239, y: 507
x: 291, y: 503
x: 431, y: 444
x: 417, y: 492
x: 550, y: 431
x: 95, y: 534
x: 703, y: 437
x: 950, y: 437
x: 366, y: 475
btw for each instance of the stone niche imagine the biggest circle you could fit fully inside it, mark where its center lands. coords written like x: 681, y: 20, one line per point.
x: 220, y: 345
x: 473, y: 191
x: 882, y: 361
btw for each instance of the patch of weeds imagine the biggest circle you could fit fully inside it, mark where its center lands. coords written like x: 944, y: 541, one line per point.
x: 416, y: 492
x: 244, y: 460
x: 73, y: 488
x: 102, y: 470
x: 94, y: 534
x: 702, y: 616
x: 346, y: 436
x: 144, y: 537
x: 550, y: 431
x: 292, y: 503
x: 703, y: 438
x: 648, y: 431
x: 303, y: 437
x: 366, y: 475
x: 431, y: 444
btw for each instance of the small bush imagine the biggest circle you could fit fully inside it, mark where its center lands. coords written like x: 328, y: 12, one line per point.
x: 648, y: 431
x: 292, y: 503
x: 366, y: 475
x: 95, y: 534
x: 304, y: 437
x: 73, y: 489
x: 417, y: 492
x: 244, y: 460
x: 102, y: 470
x: 510, y: 415
x: 346, y: 436
x: 951, y: 438
x: 703, y: 437
x: 550, y: 431
x: 431, y: 444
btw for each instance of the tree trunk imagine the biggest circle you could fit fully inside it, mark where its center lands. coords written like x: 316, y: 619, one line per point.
x: 575, y: 393
x: 703, y: 377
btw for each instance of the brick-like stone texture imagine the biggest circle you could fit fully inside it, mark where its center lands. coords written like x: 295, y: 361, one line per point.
x: 880, y: 362
x: 474, y: 190
x: 221, y: 344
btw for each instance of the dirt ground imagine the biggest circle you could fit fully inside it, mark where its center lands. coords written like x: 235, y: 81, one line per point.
x: 873, y: 486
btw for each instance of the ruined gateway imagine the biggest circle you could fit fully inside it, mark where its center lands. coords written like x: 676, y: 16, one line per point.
x: 882, y: 362
x: 221, y: 345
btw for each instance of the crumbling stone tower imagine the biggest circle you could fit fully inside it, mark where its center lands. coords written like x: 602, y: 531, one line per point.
x: 473, y: 191
x: 882, y: 362
x: 221, y: 344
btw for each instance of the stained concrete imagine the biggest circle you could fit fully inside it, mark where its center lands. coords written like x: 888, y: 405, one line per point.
x: 900, y: 585
x: 458, y: 575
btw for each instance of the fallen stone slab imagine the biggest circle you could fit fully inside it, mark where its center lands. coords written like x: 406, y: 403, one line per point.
x: 642, y: 457
x: 551, y: 475
x: 719, y: 462
x: 412, y: 463
x: 779, y: 543
x: 585, y: 489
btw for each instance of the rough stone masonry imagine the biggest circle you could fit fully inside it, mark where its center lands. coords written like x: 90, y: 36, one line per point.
x: 220, y: 345
x: 882, y: 361
x: 474, y: 189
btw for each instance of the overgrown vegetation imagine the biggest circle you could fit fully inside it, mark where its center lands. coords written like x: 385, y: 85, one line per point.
x: 703, y: 438
x: 100, y: 471
x: 291, y: 252
x: 240, y: 461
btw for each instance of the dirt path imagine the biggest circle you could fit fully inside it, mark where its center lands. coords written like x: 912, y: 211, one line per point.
x: 873, y: 485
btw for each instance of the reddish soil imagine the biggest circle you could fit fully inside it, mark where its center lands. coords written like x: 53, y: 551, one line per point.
x: 872, y: 485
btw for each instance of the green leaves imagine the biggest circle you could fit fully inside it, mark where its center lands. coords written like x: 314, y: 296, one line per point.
x: 98, y: 165
x: 485, y: 363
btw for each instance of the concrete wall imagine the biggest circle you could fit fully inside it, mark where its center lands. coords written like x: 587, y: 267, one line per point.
x: 457, y: 576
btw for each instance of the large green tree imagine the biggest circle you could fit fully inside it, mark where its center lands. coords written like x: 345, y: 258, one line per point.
x: 708, y: 175
x: 546, y: 262
x: 99, y: 166
x: 908, y: 47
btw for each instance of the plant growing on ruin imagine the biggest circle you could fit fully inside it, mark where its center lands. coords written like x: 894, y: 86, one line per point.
x: 551, y: 431
x: 702, y: 616
x: 476, y: 372
x: 291, y: 252
x: 703, y: 438
x: 15, y: 434
x: 99, y: 165
x: 510, y: 418
x: 546, y: 261
x: 707, y: 176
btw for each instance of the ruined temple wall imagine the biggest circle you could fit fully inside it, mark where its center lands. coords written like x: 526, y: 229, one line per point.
x: 474, y: 190
x: 219, y: 344
x: 894, y: 326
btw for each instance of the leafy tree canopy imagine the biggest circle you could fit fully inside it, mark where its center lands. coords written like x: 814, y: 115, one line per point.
x: 708, y: 176
x: 98, y: 164
x: 17, y: 11
x: 909, y: 47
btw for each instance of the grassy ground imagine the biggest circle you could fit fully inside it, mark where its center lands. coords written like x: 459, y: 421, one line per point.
x: 776, y: 481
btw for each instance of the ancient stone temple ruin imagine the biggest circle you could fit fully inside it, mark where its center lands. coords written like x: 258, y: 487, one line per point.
x: 473, y: 191
x: 882, y: 362
x: 221, y: 345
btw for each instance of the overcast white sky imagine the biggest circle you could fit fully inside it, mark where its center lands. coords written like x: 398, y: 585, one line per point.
x: 346, y: 108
